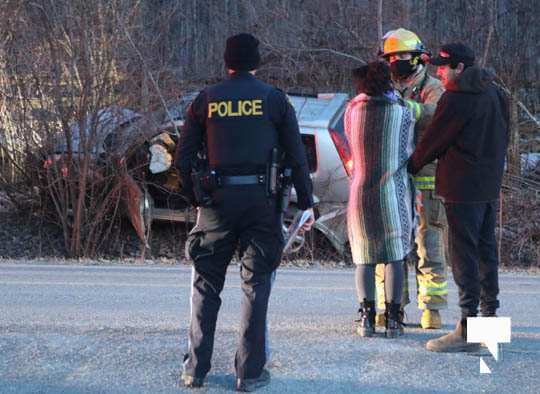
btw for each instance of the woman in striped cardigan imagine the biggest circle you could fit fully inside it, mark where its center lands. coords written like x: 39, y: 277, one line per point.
x: 380, y: 130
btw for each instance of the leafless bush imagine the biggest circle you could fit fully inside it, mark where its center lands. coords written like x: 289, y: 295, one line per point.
x: 519, y: 220
x: 56, y: 79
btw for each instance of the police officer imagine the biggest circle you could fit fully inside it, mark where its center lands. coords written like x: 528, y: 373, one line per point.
x: 238, y: 122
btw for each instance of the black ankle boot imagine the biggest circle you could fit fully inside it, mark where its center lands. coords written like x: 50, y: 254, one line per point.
x: 366, y: 326
x: 394, y: 320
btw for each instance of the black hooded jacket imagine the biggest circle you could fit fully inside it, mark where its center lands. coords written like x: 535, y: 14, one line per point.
x: 469, y: 135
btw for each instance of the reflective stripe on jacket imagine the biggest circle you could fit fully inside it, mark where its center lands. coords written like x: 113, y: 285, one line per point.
x: 424, y: 182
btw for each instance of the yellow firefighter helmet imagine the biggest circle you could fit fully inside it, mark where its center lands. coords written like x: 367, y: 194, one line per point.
x: 401, y: 40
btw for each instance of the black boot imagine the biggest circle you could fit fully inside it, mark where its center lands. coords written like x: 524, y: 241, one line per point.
x: 394, y: 320
x: 366, y: 326
x: 249, y: 385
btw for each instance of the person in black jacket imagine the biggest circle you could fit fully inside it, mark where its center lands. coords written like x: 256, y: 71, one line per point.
x: 469, y: 137
x: 238, y: 123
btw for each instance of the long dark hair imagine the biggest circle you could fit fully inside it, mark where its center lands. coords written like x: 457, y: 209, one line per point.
x: 373, y: 78
x: 358, y: 77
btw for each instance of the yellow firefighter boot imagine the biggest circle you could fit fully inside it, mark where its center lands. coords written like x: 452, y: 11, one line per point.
x: 454, y: 341
x: 380, y: 320
x: 431, y: 319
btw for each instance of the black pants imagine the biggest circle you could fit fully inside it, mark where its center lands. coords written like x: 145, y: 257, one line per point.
x: 473, y: 255
x: 245, y: 219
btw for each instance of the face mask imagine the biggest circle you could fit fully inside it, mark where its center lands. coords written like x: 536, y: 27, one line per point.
x: 402, y: 68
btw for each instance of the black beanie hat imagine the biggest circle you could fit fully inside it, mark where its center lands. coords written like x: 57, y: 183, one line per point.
x: 242, y: 52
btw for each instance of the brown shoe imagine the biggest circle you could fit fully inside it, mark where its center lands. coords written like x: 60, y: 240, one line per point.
x: 454, y: 341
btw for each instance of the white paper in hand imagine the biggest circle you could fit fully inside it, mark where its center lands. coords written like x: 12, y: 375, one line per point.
x: 299, y: 220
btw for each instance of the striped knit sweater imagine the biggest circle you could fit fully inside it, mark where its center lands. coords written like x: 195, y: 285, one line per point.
x: 380, y: 216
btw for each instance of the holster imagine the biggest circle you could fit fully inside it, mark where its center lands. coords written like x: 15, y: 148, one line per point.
x: 272, y: 174
x: 284, y: 193
x: 204, y: 183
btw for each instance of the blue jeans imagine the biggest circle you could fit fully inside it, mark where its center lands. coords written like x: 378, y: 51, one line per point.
x: 472, y: 248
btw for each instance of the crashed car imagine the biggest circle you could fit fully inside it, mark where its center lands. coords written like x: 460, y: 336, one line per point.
x: 144, y: 146
x: 320, y: 118
x: 156, y: 195
x: 321, y: 121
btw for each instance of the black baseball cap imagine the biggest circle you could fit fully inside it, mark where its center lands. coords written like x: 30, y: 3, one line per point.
x: 453, y: 54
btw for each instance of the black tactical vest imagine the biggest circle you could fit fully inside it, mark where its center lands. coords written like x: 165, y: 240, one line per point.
x: 240, y: 134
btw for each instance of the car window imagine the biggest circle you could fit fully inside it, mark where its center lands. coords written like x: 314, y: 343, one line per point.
x: 311, y: 151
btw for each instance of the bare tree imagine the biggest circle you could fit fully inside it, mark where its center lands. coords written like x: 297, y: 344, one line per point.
x: 58, y: 76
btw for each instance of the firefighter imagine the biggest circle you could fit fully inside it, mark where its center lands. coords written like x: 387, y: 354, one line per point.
x: 238, y: 123
x: 403, y: 50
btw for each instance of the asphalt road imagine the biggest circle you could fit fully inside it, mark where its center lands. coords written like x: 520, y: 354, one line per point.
x: 121, y: 329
